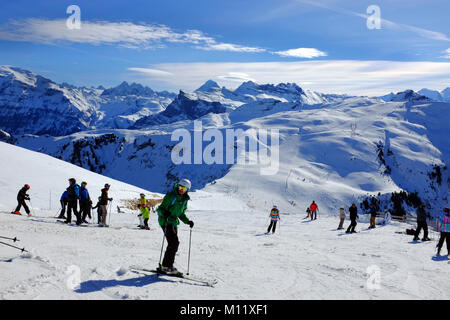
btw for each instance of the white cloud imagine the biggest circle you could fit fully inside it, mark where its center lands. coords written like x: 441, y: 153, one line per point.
x: 124, y: 34
x: 152, y: 72
x: 229, y: 47
x: 446, y: 54
x: 301, y: 53
x: 329, y: 76
x: 235, y: 77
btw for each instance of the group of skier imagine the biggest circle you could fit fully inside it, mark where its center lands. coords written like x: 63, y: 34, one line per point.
x: 443, y: 224
x: 171, y: 210
x: 75, y: 195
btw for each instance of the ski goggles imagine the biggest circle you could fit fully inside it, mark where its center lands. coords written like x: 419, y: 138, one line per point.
x: 182, y: 188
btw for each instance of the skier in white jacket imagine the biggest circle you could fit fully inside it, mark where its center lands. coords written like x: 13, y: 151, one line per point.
x: 342, y: 217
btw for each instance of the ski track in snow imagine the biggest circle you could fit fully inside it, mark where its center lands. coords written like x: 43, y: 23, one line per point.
x: 300, y: 261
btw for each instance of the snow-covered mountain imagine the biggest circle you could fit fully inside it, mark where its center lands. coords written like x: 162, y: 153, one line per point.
x: 33, y: 104
x: 334, y: 153
x: 435, y: 95
x: 185, y: 106
x: 404, y: 96
x: 333, y: 148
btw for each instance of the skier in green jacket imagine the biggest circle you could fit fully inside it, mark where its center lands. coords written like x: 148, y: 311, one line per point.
x: 170, y: 212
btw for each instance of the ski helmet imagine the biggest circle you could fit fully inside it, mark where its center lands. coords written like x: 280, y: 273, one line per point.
x: 142, y: 195
x: 185, y: 183
x: 275, y: 207
x: 84, y: 182
x: 72, y: 180
x: 107, y: 186
x: 27, y: 186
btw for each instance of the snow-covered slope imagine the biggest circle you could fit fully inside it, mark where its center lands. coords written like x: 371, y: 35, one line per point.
x: 48, y: 178
x: 302, y: 260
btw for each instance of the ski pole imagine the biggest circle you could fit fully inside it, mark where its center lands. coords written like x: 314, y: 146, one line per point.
x: 9, y: 245
x: 13, y: 239
x: 189, y: 254
x: 162, y: 246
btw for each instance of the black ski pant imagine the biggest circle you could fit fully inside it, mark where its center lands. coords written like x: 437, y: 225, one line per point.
x: 63, y: 208
x: 272, y: 225
x: 171, y: 234
x: 85, y: 210
x: 99, y: 215
x: 352, y: 226
x: 422, y: 225
x: 72, y: 205
x: 20, y: 203
x: 146, y: 222
x: 313, y: 215
x: 445, y: 236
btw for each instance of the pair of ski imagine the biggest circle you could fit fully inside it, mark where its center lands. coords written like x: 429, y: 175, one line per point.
x: 159, y: 272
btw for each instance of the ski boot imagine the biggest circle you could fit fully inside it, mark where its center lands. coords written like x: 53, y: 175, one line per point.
x: 168, y: 270
x: 426, y: 239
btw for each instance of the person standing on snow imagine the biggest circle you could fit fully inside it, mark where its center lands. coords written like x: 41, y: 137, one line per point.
x: 274, y: 217
x: 373, y: 215
x: 99, y: 212
x: 353, y: 210
x: 145, y: 212
x: 63, y: 201
x: 308, y: 213
x: 422, y: 216
x: 341, y: 217
x: 73, y: 194
x: 444, y: 229
x: 170, y: 211
x: 104, y: 198
x: 85, y: 203
x: 21, y: 197
x: 314, y: 208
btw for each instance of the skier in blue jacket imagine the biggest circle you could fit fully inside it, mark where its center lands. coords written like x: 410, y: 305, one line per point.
x: 63, y: 201
x: 85, y: 203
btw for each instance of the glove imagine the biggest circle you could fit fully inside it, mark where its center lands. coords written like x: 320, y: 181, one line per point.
x: 110, y: 199
x: 191, y: 223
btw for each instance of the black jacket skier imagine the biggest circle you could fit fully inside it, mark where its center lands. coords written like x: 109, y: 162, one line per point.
x: 73, y: 194
x: 21, y: 197
x: 422, y: 216
x: 353, y: 210
x: 103, y: 203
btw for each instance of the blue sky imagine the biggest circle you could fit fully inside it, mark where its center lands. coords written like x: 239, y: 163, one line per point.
x: 321, y: 45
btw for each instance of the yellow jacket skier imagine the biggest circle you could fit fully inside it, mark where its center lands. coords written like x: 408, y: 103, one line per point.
x: 145, y: 212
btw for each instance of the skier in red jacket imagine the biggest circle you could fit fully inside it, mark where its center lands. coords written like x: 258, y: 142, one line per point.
x: 314, y: 208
